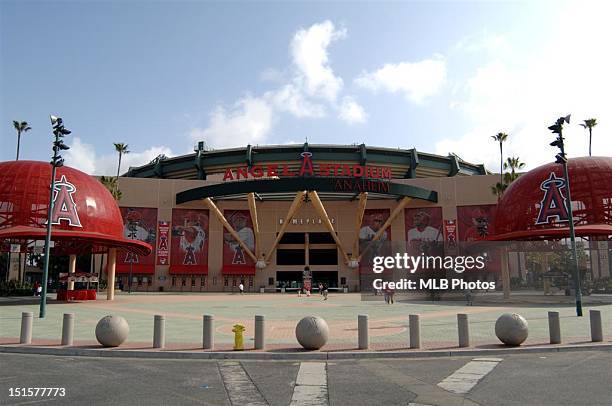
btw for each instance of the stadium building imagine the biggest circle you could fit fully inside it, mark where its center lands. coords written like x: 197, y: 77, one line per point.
x: 262, y: 214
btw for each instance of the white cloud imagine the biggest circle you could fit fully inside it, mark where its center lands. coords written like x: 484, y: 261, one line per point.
x: 416, y: 80
x: 80, y: 156
x: 249, y: 121
x: 351, y: 111
x: 83, y: 156
x: 290, y: 99
x: 522, y: 94
x: 311, y: 59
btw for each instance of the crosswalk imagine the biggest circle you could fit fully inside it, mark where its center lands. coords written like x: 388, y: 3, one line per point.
x: 311, y: 383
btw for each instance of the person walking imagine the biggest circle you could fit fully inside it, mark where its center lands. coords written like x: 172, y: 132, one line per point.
x: 241, y: 288
x: 325, y: 292
x: 320, y: 289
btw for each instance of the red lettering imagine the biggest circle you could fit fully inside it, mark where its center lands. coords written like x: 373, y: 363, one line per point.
x: 242, y: 171
x: 272, y: 170
x: 386, y: 173
x: 324, y: 170
x: 257, y: 171
x: 228, y: 174
x: 358, y: 171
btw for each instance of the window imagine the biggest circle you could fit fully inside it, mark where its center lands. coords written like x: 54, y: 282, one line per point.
x: 183, y: 282
x: 250, y: 281
x: 149, y: 281
x: 270, y: 281
x: 320, y: 238
x: 234, y: 282
x: 193, y: 282
x: 203, y: 281
x: 174, y: 281
x: 290, y: 256
x: 293, y: 238
x: 323, y: 256
x: 343, y: 281
x: 226, y: 281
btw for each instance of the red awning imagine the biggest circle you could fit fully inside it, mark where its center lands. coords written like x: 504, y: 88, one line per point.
x: 238, y: 270
x: 188, y: 270
x: 93, y: 238
x: 137, y: 269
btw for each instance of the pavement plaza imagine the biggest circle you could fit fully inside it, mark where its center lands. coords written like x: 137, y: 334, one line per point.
x: 388, y: 324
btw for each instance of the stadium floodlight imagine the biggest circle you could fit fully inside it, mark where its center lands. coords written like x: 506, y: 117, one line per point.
x: 57, y: 161
x: 561, y: 158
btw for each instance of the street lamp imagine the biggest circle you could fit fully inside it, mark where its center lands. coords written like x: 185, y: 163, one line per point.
x: 58, y: 145
x: 557, y: 128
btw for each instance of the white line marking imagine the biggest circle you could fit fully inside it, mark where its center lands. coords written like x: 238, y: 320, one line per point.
x: 240, y: 388
x: 310, y: 385
x: 466, y: 377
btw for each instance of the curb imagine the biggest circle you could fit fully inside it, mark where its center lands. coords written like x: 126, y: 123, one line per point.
x: 348, y: 355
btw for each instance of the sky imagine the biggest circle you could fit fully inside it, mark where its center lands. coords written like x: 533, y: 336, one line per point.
x: 439, y: 76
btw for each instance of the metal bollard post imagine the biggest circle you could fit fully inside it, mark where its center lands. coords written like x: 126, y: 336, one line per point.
x: 208, y: 332
x: 26, y: 328
x: 260, y: 333
x: 68, y: 329
x: 463, y: 328
x: 554, y: 327
x: 596, y: 328
x: 414, y: 324
x: 362, y: 328
x: 159, y: 331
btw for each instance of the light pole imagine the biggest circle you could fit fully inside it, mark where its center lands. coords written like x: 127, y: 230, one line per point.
x: 58, y: 145
x: 557, y: 128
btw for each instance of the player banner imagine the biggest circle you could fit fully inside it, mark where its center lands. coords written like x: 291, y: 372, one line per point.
x: 189, y: 242
x: 424, y: 233
x: 373, y: 220
x: 235, y: 260
x: 163, y: 228
x: 139, y: 223
x: 476, y: 223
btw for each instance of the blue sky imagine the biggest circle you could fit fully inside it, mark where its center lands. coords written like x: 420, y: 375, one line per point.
x: 438, y: 76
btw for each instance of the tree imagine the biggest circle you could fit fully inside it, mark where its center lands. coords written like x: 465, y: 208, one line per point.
x: 122, y: 149
x: 590, y: 123
x: 20, y: 127
x: 513, y: 163
x: 501, y: 138
x: 111, y: 184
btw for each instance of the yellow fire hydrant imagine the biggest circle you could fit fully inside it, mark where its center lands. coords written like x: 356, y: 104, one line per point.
x: 238, y: 337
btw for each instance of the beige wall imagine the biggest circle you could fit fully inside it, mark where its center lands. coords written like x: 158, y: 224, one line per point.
x: 160, y: 193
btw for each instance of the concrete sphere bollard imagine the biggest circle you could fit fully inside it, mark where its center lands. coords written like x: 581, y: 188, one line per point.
x: 511, y: 329
x: 312, y: 332
x: 112, y: 331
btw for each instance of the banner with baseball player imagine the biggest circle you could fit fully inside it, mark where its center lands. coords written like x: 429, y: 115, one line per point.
x: 235, y: 260
x: 139, y: 223
x: 373, y: 220
x: 424, y: 233
x: 474, y: 225
x: 475, y: 222
x: 189, y: 246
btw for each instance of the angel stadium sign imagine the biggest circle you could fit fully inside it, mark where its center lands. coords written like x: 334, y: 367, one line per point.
x: 307, y: 169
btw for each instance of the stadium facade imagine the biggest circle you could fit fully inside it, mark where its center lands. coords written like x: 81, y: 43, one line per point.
x: 261, y: 214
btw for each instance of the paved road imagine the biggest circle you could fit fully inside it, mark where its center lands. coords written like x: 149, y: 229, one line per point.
x: 572, y: 378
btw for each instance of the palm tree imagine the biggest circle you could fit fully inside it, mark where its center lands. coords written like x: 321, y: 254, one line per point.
x: 20, y: 127
x: 110, y: 183
x: 121, y: 148
x: 513, y: 163
x: 590, y: 123
x: 501, y: 138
